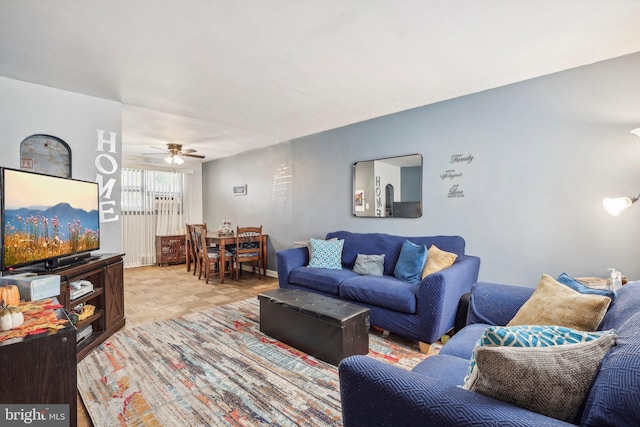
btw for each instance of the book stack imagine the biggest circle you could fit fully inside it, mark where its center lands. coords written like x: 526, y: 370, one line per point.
x: 595, y: 282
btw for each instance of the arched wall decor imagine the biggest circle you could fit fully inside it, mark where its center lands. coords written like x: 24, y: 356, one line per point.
x: 46, y: 154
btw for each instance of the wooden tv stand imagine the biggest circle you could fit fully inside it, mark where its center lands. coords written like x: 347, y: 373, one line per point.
x: 106, y: 273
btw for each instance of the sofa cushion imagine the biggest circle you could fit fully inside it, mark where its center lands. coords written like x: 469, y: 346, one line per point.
x: 464, y: 341
x: 320, y: 279
x: 369, y: 265
x: 369, y: 243
x: 553, y: 303
x: 623, y: 308
x: 615, y: 393
x: 382, y: 291
x: 437, y: 260
x: 445, y: 368
x: 411, y: 262
x: 326, y: 254
x: 486, y: 297
x: 552, y: 381
x: 390, y: 245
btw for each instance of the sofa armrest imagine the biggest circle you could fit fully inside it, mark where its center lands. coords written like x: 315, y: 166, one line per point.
x: 439, y: 293
x: 375, y: 393
x: 290, y: 259
x: 496, y: 304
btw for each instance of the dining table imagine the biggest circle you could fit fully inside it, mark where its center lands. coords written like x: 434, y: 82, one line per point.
x: 223, y: 240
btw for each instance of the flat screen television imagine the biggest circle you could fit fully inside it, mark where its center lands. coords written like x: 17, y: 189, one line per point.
x: 47, y: 220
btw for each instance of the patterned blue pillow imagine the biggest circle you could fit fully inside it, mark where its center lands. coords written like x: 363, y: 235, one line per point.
x: 411, y: 262
x: 569, y: 281
x: 326, y: 254
x: 529, y: 336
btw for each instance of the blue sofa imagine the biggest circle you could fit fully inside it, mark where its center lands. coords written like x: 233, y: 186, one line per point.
x: 423, y: 311
x: 374, y: 393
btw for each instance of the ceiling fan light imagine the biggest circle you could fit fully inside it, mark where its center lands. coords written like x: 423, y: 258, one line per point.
x: 178, y: 160
x: 168, y: 159
x: 636, y: 132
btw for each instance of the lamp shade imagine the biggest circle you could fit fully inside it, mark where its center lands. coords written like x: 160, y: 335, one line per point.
x: 614, y: 206
x: 636, y: 132
x: 178, y: 160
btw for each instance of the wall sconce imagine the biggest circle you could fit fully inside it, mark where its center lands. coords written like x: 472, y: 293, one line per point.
x: 617, y: 205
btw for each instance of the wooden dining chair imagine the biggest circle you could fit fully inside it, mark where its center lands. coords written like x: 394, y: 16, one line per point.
x: 189, y: 249
x: 192, y: 256
x: 206, y: 255
x: 248, y: 248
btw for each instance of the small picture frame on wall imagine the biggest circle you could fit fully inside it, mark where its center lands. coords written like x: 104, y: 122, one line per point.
x: 240, y: 190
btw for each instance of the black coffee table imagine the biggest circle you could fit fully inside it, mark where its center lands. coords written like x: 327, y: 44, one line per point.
x: 327, y: 328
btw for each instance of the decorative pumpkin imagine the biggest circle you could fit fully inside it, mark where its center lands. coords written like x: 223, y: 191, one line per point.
x: 10, y: 317
x: 10, y: 294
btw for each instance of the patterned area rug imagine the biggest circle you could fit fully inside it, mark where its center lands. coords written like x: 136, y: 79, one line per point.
x: 216, y: 368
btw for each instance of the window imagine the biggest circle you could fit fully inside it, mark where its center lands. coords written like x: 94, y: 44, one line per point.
x: 153, y: 204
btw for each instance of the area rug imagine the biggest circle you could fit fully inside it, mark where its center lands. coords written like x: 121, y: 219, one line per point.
x: 216, y: 368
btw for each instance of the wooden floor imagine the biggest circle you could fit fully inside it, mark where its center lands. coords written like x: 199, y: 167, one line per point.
x: 152, y: 293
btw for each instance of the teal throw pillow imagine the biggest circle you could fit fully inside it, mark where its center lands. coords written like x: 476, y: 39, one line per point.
x: 569, y: 281
x: 411, y: 262
x: 369, y: 265
x: 326, y: 254
x: 528, y: 336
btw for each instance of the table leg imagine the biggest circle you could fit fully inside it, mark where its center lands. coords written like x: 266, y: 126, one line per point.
x: 187, y: 249
x: 264, y: 255
x: 223, y: 263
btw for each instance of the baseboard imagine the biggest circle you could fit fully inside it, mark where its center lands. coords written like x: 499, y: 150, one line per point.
x: 270, y: 273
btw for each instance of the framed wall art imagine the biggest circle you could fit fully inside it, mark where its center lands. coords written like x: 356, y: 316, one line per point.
x: 240, y: 190
x: 46, y: 154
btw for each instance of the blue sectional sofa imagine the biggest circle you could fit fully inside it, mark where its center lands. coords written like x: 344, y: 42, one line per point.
x: 375, y: 393
x: 424, y: 311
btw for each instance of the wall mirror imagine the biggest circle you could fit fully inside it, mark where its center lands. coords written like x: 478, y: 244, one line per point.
x: 389, y: 187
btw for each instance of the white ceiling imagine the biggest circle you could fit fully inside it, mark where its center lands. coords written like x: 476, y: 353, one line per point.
x: 224, y: 77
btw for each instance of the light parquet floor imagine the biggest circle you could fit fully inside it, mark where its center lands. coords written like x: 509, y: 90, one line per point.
x: 153, y: 293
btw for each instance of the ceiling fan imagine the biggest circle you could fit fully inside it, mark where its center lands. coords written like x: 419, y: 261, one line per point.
x: 175, y: 153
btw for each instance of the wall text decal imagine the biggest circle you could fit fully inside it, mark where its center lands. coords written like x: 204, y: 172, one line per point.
x: 454, y: 174
x: 378, y: 197
x: 454, y: 191
x: 461, y: 158
x: 106, y: 165
x: 450, y: 174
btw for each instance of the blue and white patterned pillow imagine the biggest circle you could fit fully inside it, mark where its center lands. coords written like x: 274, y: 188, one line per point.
x: 326, y: 254
x: 529, y: 336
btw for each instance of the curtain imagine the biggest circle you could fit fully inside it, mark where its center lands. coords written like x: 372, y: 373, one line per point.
x: 152, y: 205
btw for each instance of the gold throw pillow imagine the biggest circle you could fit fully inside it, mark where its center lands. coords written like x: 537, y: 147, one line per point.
x: 553, y: 303
x: 437, y: 260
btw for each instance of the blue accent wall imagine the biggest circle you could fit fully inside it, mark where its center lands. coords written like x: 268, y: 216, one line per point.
x: 519, y: 171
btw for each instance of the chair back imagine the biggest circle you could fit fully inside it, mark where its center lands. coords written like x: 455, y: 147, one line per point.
x: 191, y: 249
x: 248, y: 243
x: 199, y: 238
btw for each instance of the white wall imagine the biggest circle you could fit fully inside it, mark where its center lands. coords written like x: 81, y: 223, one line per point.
x: 545, y: 152
x: 27, y: 109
